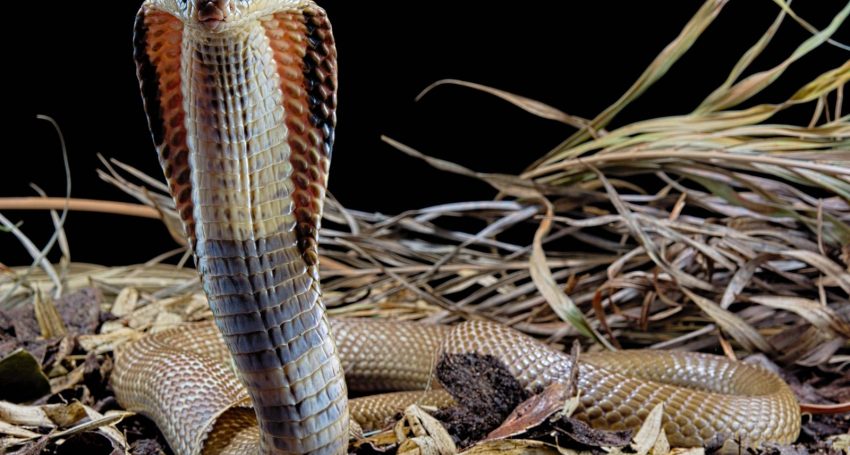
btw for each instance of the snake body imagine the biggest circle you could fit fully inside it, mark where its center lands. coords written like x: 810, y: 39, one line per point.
x: 241, y: 98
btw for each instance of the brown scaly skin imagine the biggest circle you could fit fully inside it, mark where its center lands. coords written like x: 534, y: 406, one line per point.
x: 241, y: 98
x: 181, y: 377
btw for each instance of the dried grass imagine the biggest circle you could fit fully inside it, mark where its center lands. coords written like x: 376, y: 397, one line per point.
x: 689, y: 228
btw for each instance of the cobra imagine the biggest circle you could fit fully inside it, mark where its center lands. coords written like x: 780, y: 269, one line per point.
x: 241, y: 98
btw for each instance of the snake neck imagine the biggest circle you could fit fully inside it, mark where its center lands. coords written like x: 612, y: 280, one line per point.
x: 243, y: 121
x: 262, y: 288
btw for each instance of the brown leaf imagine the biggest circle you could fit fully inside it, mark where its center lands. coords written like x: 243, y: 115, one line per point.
x: 511, y: 447
x: 49, y: 321
x: 532, y: 412
x: 65, y: 415
x: 651, y: 434
x: 584, y: 434
x: 429, y: 437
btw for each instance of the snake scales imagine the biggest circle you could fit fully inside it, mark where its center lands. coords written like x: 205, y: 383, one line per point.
x: 241, y: 98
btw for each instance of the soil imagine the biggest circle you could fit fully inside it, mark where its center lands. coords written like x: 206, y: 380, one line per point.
x: 486, y: 393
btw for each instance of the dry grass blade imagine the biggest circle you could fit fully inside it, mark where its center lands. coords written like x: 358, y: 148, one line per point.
x: 507, y: 184
x: 39, y: 257
x: 742, y: 64
x: 531, y: 106
x: 658, y: 68
x: 786, y: 7
x: 825, y: 265
x: 749, y: 338
x: 752, y: 85
x: 819, y: 315
x: 558, y: 300
x: 646, y: 242
x: 742, y: 278
x: 825, y: 83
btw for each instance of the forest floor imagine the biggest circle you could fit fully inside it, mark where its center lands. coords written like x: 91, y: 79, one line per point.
x: 82, y: 415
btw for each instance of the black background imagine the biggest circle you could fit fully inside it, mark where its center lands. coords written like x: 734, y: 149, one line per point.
x: 73, y: 61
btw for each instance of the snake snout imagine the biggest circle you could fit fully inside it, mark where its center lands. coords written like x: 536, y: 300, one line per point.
x: 211, y: 13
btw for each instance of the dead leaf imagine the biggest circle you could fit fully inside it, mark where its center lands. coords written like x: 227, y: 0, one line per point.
x: 30, y: 416
x: 511, y: 447
x: 428, y: 434
x: 841, y: 443
x: 586, y: 435
x: 532, y: 412
x: 108, y: 342
x: 688, y: 451
x: 21, y: 378
x: 65, y: 415
x: 650, y: 432
x: 67, y: 381
x: 125, y: 302
x: 16, y: 431
x: 48, y: 318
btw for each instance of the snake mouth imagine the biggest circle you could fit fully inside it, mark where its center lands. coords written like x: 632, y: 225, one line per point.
x: 211, y: 15
x: 212, y: 24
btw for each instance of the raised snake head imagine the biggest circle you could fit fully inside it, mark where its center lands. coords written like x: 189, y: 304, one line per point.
x: 219, y: 16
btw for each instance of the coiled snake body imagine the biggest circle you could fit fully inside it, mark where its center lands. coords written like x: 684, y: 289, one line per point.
x: 241, y: 98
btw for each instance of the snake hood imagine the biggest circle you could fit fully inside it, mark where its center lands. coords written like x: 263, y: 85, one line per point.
x: 220, y: 16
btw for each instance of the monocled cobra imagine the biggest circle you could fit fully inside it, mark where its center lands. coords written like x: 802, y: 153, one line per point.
x: 241, y: 98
